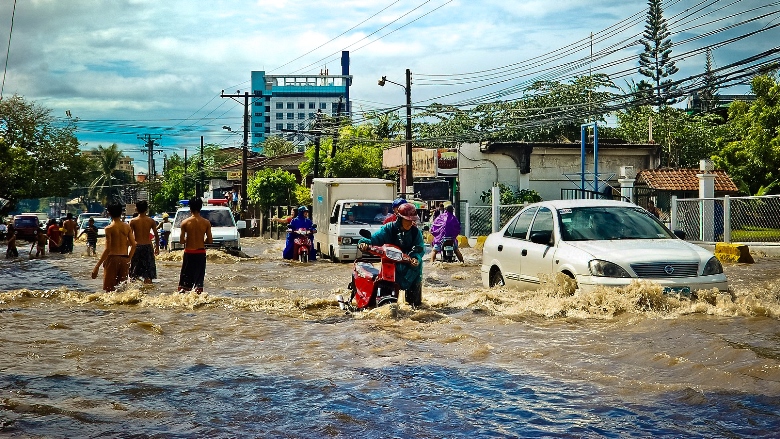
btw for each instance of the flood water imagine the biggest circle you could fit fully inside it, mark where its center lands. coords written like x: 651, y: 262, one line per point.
x: 266, y: 352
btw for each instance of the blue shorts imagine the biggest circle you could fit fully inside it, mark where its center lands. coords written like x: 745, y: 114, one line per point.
x: 437, y: 247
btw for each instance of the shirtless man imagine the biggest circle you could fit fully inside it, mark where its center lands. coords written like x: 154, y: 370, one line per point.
x: 116, y: 257
x: 195, y: 234
x: 142, y: 264
x: 70, y: 227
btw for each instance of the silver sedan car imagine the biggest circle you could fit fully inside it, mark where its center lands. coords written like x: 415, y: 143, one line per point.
x: 595, y: 242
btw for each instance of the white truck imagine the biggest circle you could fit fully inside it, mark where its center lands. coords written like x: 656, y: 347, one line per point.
x: 343, y: 206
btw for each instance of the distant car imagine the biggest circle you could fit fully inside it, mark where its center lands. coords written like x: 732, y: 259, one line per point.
x: 25, y: 225
x: 83, y: 216
x: 595, y: 242
x: 100, y: 223
x: 224, y: 229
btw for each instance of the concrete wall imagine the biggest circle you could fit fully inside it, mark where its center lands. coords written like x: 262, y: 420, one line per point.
x: 479, y: 171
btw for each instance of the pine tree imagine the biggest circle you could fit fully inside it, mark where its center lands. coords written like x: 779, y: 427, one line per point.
x: 709, y: 94
x: 655, y: 62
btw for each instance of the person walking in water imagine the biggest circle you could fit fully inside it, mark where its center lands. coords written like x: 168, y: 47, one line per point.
x: 92, y: 236
x: 195, y: 234
x: 142, y: 264
x: 68, y: 234
x: 120, y: 247
x: 11, y: 251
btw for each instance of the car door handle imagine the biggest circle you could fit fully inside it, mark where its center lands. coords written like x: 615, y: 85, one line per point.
x: 500, y: 247
x: 524, y: 252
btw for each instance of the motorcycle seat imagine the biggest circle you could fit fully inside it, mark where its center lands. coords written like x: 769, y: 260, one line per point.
x: 366, y: 270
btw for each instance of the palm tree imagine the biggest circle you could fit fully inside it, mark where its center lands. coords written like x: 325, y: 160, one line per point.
x: 107, y: 160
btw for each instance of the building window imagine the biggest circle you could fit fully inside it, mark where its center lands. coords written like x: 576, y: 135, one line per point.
x: 267, y: 109
x: 312, y: 105
x: 301, y: 115
x: 258, y: 134
x: 279, y: 126
x: 323, y: 105
x: 259, y: 114
x: 301, y: 105
x: 291, y: 115
x: 258, y: 125
x: 280, y: 105
x: 290, y: 105
x: 280, y: 115
x: 311, y: 115
x: 301, y: 126
x: 258, y: 103
x: 290, y: 126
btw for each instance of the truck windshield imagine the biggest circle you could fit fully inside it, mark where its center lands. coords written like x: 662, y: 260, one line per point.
x: 365, y: 212
x: 217, y: 218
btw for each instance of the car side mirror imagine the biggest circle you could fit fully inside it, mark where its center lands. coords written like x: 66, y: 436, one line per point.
x: 333, y: 220
x: 680, y: 234
x: 365, y: 233
x: 541, y: 237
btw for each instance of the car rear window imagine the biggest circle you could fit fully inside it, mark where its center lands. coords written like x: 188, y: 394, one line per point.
x: 30, y: 221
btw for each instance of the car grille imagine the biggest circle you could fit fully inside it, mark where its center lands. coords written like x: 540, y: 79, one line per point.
x: 660, y: 270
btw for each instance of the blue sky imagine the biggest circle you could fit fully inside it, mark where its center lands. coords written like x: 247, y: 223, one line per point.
x: 127, y: 68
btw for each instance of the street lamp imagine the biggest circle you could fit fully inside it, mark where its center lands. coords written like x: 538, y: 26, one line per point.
x: 407, y: 178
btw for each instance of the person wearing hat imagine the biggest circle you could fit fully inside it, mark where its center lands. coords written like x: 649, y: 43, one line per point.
x: 396, y: 204
x: 404, y: 233
x: 301, y: 221
x: 165, y: 231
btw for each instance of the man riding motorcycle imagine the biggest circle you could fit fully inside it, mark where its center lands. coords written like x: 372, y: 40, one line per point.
x: 301, y: 221
x: 446, y: 225
x: 404, y: 233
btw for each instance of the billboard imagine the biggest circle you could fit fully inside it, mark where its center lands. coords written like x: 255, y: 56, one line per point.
x: 446, y: 162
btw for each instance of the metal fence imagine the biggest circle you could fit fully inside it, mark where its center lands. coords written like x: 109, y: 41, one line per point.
x: 479, y: 219
x: 728, y: 219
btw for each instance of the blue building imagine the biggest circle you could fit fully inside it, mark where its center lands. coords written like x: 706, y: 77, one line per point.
x: 291, y: 102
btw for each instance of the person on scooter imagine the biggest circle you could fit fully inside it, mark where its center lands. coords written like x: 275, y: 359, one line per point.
x: 446, y: 225
x: 405, y: 234
x: 301, y: 221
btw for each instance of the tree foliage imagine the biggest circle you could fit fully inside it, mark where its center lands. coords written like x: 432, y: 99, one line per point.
x: 105, y: 184
x: 655, y: 61
x: 39, y: 155
x: 509, y: 195
x: 272, y: 187
x: 358, y: 154
x: 750, y: 148
x: 275, y: 146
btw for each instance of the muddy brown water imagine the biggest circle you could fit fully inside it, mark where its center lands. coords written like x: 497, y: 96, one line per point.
x: 266, y: 352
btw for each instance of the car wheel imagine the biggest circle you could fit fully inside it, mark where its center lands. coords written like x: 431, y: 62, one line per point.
x: 496, y: 278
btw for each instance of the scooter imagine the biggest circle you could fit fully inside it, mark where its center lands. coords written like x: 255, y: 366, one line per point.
x: 448, y: 249
x: 374, y: 286
x: 301, y: 243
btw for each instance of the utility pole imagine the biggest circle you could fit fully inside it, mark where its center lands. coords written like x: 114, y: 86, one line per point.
x: 244, y: 148
x: 199, y: 189
x: 336, y: 131
x: 409, y: 173
x: 184, y: 182
x: 150, y: 142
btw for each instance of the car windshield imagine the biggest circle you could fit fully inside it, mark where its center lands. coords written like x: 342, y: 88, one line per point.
x: 217, y: 218
x: 365, y: 213
x: 100, y: 223
x: 606, y: 223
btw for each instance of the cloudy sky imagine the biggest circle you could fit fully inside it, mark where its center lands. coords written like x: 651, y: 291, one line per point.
x: 127, y: 68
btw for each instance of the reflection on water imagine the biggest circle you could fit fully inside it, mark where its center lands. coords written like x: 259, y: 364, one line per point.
x: 267, y: 352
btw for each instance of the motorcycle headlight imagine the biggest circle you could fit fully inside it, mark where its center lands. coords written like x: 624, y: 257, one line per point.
x: 394, y: 254
x: 606, y: 269
x: 713, y: 267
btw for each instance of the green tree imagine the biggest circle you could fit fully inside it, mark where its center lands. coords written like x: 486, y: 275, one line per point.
x: 104, y: 185
x: 509, y: 195
x: 39, y: 155
x: 655, y: 61
x: 750, y: 148
x: 709, y: 94
x: 272, y: 187
x: 276, y: 145
x: 169, y: 189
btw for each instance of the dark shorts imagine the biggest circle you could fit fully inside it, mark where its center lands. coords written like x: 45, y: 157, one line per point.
x: 67, y: 244
x: 142, y: 265
x: 193, y: 270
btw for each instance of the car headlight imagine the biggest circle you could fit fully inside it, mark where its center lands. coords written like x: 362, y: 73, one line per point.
x: 606, y: 269
x: 345, y: 240
x: 713, y: 267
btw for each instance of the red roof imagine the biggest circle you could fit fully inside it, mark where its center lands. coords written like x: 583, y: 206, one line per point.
x: 668, y: 179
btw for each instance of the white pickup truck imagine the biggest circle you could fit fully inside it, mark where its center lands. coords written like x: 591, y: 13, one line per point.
x: 224, y: 229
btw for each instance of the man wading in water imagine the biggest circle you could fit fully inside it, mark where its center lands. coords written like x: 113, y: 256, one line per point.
x: 193, y: 265
x: 119, y: 236
x: 142, y: 265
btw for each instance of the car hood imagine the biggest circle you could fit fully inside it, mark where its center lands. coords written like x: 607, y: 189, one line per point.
x: 642, y: 250
x: 217, y: 233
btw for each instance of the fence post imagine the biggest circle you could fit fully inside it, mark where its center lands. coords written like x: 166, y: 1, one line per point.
x: 673, y: 214
x: 727, y: 219
x: 495, y: 200
x: 467, y: 222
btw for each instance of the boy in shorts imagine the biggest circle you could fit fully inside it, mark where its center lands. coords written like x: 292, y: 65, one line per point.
x: 92, y: 236
x: 195, y: 234
x: 115, y: 259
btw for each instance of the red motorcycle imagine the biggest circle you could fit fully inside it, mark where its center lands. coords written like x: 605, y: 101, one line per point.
x: 301, y: 244
x: 373, y: 285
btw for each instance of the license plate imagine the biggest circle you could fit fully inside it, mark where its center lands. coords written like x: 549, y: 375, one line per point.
x: 448, y: 248
x: 685, y: 291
